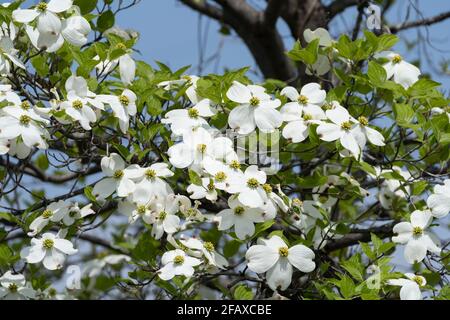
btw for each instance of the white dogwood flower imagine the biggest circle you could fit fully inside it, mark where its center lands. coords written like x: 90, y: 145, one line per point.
x: 75, y: 30
x: 250, y: 187
x: 196, y: 146
x: 118, y: 179
x: 123, y: 107
x: 138, y: 205
x: 303, y: 110
x: 150, y: 179
x: 207, y: 250
x: 439, y: 201
x: 14, y: 287
x: 402, y: 72
x: 410, y: 287
x: 76, y: 213
x: 54, y: 212
x: 182, y: 120
x: 342, y: 128
x: 413, y: 234
x: 127, y: 66
x: 51, y: 249
x: 243, y: 218
x: 46, y: 15
x: 7, y: 55
x: 177, y: 263
x: 205, y: 190
x: 276, y: 258
x: 256, y: 109
x: 165, y: 218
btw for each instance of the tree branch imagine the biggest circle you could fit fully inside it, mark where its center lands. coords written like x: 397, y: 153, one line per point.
x: 359, y: 235
x: 273, y: 11
x: 205, y: 8
x: 424, y: 22
x: 338, y: 6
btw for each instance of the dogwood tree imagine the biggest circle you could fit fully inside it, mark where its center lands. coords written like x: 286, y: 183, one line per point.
x: 123, y: 180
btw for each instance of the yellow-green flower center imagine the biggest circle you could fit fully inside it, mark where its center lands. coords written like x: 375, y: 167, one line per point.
x: 297, y: 202
x: 418, y: 280
x: 220, y: 176
x: 191, y: 212
x: 118, y: 174
x: 327, y: 106
x: 347, y: 125
x: 12, y: 287
x: 178, y: 260
x: 25, y: 105
x: 267, y: 188
x: 24, y: 120
x: 162, y: 215
x: 193, y: 113
x: 77, y: 104
x: 252, y: 183
x: 254, y: 101
x: 141, y: 209
x: 209, y: 246
x: 307, y: 117
x: 47, y: 214
x: 239, y: 211
x: 41, y: 7
x: 417, y: 231
x: 235, y: 165
x: 150, y: 174
x: 124, y: 100
x: 121, y: 46
x: 363, y: 121
x: 211, y: 186
x: 52, y: 292
x: 283, y: 251
x: 397, y: 58
x: 201, y: 148
x: 303, y: 99
x: 48, y: 243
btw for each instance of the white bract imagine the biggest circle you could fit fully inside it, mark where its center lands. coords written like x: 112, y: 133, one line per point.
x: 177, y: 263
x: 207, y: 250
x: 119, y: 179
x: 410, y: 287
x: 50, y: 249
x: 401, y: 71
x: 123, y: 107
x: 54, y: 212
x: 256, y: 109
x: 14, y: 287
x: 165, y: 218
x: 241, y: 217
x: 303, y: 110
x: 276, y: 258
x: 439, y: 201
x: 342, y: 128
x: 418, y: 241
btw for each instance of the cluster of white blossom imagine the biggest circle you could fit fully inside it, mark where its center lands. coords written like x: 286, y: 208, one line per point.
x: 144, y: 194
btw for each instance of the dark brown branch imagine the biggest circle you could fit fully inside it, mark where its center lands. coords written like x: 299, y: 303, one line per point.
x: 419, y: 23
x: 205, y: 8
x: 359, y: 235
x: 273, y: 11
x: 338, y: 6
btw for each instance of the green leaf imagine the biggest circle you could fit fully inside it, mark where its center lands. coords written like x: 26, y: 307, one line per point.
x: 42, y: 162
x: 422, y: 87
x: 243, y: 293
x: 89, y: 195
x: 231, y: 248
x: 86, y: 6
x: 195, y: 178
x: 105, y: 21
x: 376, y: 73
x: 404, y: 114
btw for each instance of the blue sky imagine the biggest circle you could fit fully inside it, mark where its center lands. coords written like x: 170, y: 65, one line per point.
x: 169, y: 33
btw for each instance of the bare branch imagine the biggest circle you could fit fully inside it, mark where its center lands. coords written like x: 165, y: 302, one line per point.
x: 338, y: 6
x: 205, y: 8
x: 273, y: 11
x: 419, y: 23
